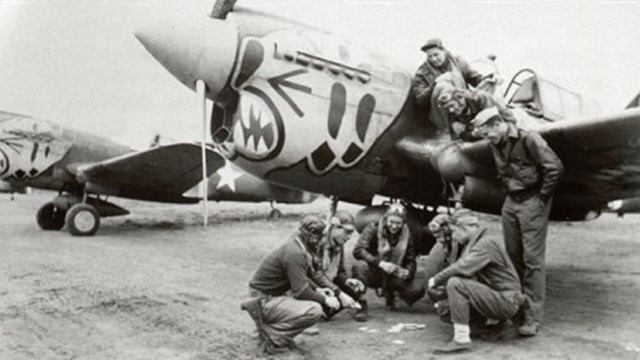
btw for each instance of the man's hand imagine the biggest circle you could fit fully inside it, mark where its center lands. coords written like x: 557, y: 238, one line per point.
x: 431, y: 283
x: 542, y: 200
x: 355, y: 284
x: 458, y: 128
x: 403, y: 273
x: 388, y: 267
x: 347, y: 301
x: 332, y: 302
x: 325, y: 291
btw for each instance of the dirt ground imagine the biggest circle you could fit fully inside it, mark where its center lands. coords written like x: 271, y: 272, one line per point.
x: 157, y: 285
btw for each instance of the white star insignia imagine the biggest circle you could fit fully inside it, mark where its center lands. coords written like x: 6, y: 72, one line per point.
x: 228, y: 176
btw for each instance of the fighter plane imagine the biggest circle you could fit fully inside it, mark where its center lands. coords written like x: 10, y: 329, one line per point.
x: 85, y: 168
x: 302, y: 107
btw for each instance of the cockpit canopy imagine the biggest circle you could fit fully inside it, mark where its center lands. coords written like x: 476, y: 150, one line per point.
x: 544, y: 99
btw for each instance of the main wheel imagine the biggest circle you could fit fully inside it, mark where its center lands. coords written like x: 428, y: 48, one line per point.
x: 82, y: 220
x: 50, y: 217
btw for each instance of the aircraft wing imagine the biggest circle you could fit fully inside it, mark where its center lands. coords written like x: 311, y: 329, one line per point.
x: 601, y: 156
x: 162, y: 173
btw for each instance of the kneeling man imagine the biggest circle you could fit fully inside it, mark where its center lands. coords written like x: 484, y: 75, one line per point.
x: 388, y: 257
x: 288, y: 269
x: 483, y: 278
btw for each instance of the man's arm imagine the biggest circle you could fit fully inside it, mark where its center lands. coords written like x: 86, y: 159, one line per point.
x: 466, y: 266
x: 485, y: 100
x: 470, y: 75
x: 341, y: 278
x: 298, y: 269
x: 409, y: 262
x: 548, y: 162
x: 422, y: 89
x: 366, y: 241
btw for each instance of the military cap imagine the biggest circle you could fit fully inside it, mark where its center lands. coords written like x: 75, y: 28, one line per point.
x: 343, y: 219
x: 431, y: 43
x: 464, y: 217
x: 312, y: 225
x: 436, y: 224
x: 485, y: 115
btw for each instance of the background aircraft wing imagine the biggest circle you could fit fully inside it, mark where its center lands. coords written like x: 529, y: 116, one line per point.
x: 601, y: 156
x: 162, y: 173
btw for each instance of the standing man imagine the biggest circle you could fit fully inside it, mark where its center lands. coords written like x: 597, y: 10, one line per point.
x: 530, y: 173
x: 438, y: 68
x: 288, y: 268
x: 389, y: 261
x: 329, y: 263
x: 483, y: 278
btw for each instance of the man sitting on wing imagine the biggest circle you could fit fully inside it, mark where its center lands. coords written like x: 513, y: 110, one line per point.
x: 462, y: 106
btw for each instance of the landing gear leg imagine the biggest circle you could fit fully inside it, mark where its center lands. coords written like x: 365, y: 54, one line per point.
x: 275, y: 213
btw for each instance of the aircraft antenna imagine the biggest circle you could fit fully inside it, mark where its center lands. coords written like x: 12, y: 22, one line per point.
x: 201, y: 89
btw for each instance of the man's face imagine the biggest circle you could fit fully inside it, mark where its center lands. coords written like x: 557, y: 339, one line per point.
x: 460, y: 234
x: 313, y: 240
x: 394, y: 224
x: 436, y: 56
x: 494, y: 132
x: 339, y: 235
x: 455, y: 106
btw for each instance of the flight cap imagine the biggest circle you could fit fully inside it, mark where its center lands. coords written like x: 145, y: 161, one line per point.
x: 397, y: 210
x: 312, y: 225
x: 343, y: 219
x: 431, y: 43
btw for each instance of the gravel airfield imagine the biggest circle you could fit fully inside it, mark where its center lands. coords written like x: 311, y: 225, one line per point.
x: 157, y: 285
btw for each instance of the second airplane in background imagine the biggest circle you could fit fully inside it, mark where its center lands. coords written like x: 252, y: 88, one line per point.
x: 85, y: 168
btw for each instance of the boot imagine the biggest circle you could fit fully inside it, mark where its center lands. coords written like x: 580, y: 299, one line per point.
x: 529, y: 328
x: 254, y: 307
x: 390, y: 300
x: 361, y: 314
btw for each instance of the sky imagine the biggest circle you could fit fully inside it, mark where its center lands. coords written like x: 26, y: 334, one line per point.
x: 77, y: 62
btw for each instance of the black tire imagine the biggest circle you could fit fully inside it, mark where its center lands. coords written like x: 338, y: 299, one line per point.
x: 50, y: 217
x: 82, y: 220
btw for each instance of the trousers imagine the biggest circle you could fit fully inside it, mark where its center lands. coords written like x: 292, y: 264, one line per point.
x: 524, y: 225
x: 409, y: 290
x: 284, y: 317
x: 465, y: 293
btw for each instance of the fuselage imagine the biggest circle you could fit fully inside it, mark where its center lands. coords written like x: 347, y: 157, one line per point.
x: 302, y: 107
x: 42, y: 154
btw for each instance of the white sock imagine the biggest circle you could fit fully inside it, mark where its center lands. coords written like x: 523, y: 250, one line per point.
x: 461, y: 333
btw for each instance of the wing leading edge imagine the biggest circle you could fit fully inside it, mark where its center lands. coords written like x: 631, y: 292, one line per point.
x: 158, y: 174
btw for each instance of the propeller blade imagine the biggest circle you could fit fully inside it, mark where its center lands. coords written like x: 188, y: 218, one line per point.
x: 221, y: 8
x: 201, y: 89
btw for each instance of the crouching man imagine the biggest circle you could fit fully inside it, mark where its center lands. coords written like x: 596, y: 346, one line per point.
x: 483, y: 278
x: 329, y: 263
x: 387, y: 248
x: 288, y: 268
